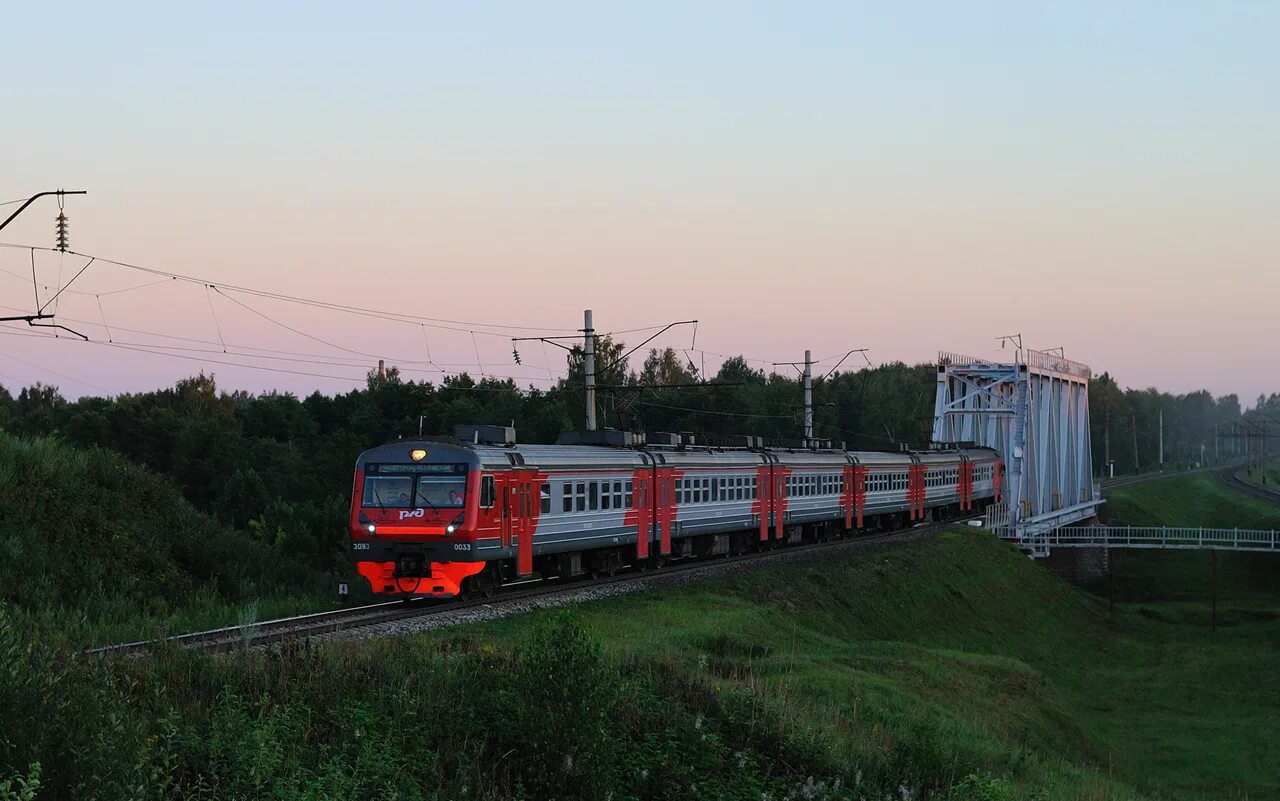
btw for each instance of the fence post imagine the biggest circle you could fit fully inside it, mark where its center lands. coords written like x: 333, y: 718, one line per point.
x: 1111, y: 580
x: 1213, y: 587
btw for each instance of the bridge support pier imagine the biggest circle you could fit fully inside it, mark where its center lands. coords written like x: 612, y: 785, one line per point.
x: 1079, y: 565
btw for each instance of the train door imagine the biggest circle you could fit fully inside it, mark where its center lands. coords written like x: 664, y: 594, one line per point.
x: 528, y: 500
x: 859, y: 491
x: 507, y: 506
x: 846, y: 497
x: 665, y: 496
x: 916, y: 489
x: 779, y: 499
x: 642, y: 502
x: 764, y: 495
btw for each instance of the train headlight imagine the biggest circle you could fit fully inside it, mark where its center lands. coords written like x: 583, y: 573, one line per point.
x: 417, y: 454
x: 371, y: 528
x: 449, y: 529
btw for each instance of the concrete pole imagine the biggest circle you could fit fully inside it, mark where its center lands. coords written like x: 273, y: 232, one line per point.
x: 1162, y: 440
x: 1133, y: 418
x: 589, y: 367
x: 808, y: 398
x: 1106, y: 438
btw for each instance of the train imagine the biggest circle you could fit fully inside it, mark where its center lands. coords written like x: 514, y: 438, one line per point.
x: 448, y: 517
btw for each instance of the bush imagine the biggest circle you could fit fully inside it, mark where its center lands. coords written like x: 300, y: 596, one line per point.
x: 89, y: 536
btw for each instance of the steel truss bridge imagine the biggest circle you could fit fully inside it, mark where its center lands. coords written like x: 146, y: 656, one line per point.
x: 1035, y: 413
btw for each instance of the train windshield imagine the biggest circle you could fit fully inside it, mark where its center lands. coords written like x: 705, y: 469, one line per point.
x: 412, y: 486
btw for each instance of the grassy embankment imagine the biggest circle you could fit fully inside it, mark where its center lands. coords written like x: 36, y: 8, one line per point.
x: 1272, y: 473
x: 954, y: 667
x: 1021, y: 674
x: 94, y: 549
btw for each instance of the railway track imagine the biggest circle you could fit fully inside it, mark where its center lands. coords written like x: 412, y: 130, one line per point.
x: 323, y: 624
x: 1231, y: 477
x: 1146, y: 477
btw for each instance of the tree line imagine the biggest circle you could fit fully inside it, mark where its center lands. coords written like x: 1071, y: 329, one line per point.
x: 280, y: 467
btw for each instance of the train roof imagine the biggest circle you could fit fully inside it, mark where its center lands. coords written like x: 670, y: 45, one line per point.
x: 597, y: 457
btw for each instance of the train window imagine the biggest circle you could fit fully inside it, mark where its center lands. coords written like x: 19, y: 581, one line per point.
x: 545, y: 492
x: 568, y: 497
x: 593, y: 494
x: 387, y: 491
x: 628, y: 495
x: 605, y: 498
x: 580, y: 497
x: 486, y: 492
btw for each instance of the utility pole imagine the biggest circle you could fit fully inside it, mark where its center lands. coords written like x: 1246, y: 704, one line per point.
x: 1263, y: 463
x: 808, y: 398
x: 1133, y: 417
x: 1162, y: 440
x: 1106, y: 438
x: 1217, y: 457
x: 589, y: 355
x: 589, y: 367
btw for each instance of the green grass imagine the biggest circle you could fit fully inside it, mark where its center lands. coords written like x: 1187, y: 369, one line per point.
x: 1028, y: 677
x: 953, y: 668
x: 1250, y: 580
x: 1271, y: 472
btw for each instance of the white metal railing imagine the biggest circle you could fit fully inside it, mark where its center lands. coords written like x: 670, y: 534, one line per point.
x: 1227, y: 539
x: 947, y: 358
x: 1040, y: 360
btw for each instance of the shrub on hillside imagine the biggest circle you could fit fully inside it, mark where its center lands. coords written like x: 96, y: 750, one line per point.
x: 85, y: 530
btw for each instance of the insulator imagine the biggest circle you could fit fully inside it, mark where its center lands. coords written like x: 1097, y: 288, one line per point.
x: 61, y: 235
x: 515, y: 354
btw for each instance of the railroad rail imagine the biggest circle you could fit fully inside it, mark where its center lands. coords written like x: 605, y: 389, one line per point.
x: 1232, y: 479
x: 267, y: 632
x: 1143, y: 478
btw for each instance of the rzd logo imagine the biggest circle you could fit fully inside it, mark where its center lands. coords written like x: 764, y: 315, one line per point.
x: 407, y: 513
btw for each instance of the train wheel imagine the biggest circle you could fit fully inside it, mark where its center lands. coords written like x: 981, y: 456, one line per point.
x: 487, y: 582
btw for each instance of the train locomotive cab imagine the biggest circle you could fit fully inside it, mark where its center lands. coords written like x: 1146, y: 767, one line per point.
x: 414, y: 511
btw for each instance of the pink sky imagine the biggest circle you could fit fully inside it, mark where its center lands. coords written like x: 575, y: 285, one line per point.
x: 834, y: 191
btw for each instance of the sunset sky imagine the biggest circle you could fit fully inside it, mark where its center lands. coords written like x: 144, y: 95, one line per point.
x: 901, y: 177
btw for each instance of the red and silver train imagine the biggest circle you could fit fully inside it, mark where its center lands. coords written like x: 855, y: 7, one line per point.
x: 442, y: 518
